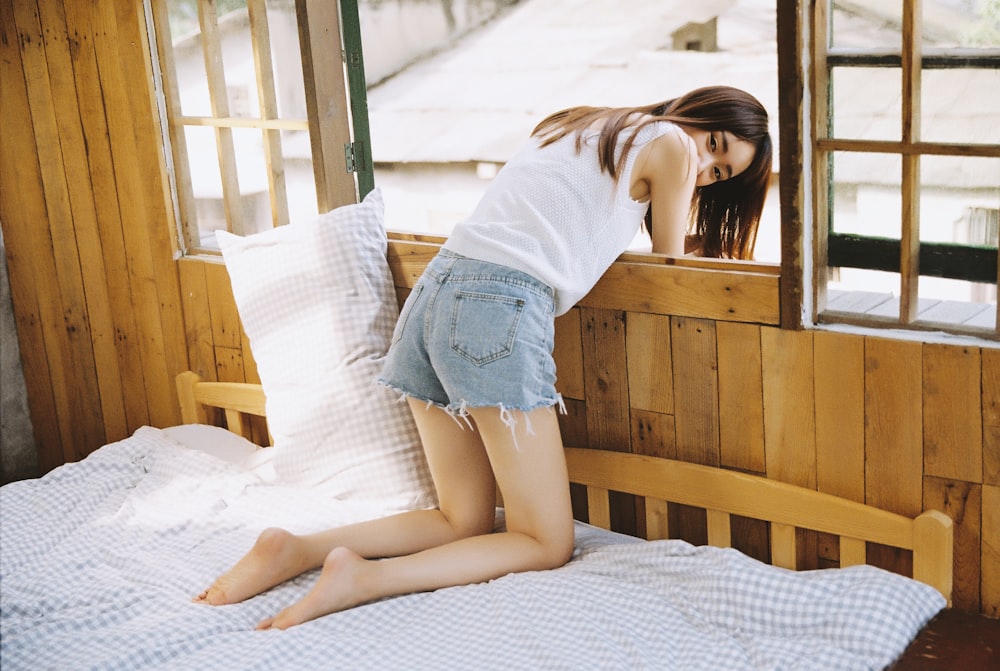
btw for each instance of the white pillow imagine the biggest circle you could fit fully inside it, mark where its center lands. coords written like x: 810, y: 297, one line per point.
x: 317, y: 302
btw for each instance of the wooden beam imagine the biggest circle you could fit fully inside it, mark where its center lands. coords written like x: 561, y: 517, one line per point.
x: 326, y: 101
x: 792, y: 124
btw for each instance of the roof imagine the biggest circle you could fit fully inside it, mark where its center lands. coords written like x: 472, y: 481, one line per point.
x: 479, y: 100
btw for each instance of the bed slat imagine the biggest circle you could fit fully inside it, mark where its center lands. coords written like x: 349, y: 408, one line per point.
x: 237, y: 399
x: 783, y: 545
x: 598, y: 507
x: 853, y: 551
x: 719, y: 533
x: 933, y: 550
x: 723, y: 493
x: 657, y: 521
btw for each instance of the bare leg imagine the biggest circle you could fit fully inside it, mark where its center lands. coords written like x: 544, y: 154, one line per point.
x: 466, y: 497
x: 531, y: 472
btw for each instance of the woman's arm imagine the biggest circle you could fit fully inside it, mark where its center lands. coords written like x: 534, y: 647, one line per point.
x: 665, y: 171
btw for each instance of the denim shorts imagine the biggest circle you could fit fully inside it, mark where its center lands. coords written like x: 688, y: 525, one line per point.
x: 475, y: 334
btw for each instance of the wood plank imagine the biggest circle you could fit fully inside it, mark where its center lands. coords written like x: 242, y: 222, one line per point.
x: 108, y: 214
x: 863, y: 302
x: 211, y: 44
x: 603, y: 338
x: 736, y: 295
x: 891, y: 308
x: 653, y: 434
x: 985, y: 318
x: 793, y: 115
x: 952, y: 312
x: 22, y: 204
x: 789, y: 417
x: 326, y: 101
x: 121, y: 59
x: 990, y: 399
x: 650, y: 369
x: 573, y: 425
x: 407, y: 260
x: 606, y: 388
x: 598, y: 511
x: 893, y: 425
x: 687, y: 292
x: 839, y: 364
x: 909, y: 248
x: 990, y: 552
x: 783, y: 546
x: 852, y: 551
x: 657, y: 519
x: 197, y: 317
x: 740, y: 494
x: 696, y: 385
x: 65, y: 72
x: 71, y: 356
x: 568, y: 355
x: 962, y: 502
x: 222, y: 308
x: 953, y: 434
x: 741, y: 397
x: 190, y: 237
x: 148, y: 144
x: 751, y: 537
x: 719, y: 534
x: 229, y: 364
x: 991, y: 455
x: 268, y: 102
x: 990, y: 361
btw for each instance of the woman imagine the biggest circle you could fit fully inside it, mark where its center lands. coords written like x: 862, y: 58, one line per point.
x: 472, y: 350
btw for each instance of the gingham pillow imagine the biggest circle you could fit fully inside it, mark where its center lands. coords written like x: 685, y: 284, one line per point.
x: 317, y: 302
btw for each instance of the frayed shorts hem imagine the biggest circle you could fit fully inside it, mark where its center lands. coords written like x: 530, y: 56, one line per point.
x: 461, y: 409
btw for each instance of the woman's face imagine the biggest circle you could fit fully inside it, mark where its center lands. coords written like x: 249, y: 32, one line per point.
x: 721, y: 155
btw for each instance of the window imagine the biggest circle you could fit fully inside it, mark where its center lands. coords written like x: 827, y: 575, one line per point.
x: 241, y: 91
x: 906, y: 163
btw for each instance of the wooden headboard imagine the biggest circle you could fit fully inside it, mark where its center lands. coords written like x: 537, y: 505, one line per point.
x: 658, y: 482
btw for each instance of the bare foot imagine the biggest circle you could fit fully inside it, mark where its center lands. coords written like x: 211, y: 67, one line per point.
x: 272, y: 560
x: 341, y: 585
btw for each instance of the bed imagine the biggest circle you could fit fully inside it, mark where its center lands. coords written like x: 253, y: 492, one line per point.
x: 101, y: 557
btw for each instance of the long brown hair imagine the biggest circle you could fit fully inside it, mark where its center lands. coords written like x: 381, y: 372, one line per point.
x: 725, y: 214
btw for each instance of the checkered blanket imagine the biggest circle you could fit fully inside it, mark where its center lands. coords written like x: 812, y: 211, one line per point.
x: 99, y: 560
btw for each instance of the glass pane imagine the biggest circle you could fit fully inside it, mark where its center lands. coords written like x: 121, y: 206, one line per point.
x: 961, y: 23
x: 867, y: 25
x: 866, y: 103
x: 866, y: 194
x: 959, y: 199
x: 934, y: 289
x: 237, y: 45
x: 972, y: 121
x: 863, y: 291
x: 236, y: 66
x: 206, y: 184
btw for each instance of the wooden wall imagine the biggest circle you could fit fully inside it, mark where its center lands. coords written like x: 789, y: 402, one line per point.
x: 660, y: 359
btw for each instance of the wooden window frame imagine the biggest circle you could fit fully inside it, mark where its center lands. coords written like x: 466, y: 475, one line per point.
x: 805, y: 64
x: 341, y: 164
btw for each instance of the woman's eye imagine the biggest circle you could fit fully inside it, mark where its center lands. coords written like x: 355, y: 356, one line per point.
x: 717, y: 173
x: 712, y: 143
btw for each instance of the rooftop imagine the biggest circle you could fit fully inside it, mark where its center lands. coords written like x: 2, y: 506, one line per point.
x: 479, y: 99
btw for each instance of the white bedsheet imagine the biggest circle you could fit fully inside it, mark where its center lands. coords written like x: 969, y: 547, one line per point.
x: 99, y: 560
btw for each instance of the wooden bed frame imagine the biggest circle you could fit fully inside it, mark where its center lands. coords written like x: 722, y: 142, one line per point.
x: 952, y: 637
x: 721, y: 493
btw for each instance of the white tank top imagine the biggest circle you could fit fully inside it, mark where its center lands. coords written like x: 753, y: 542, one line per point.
x: 552, y: 213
